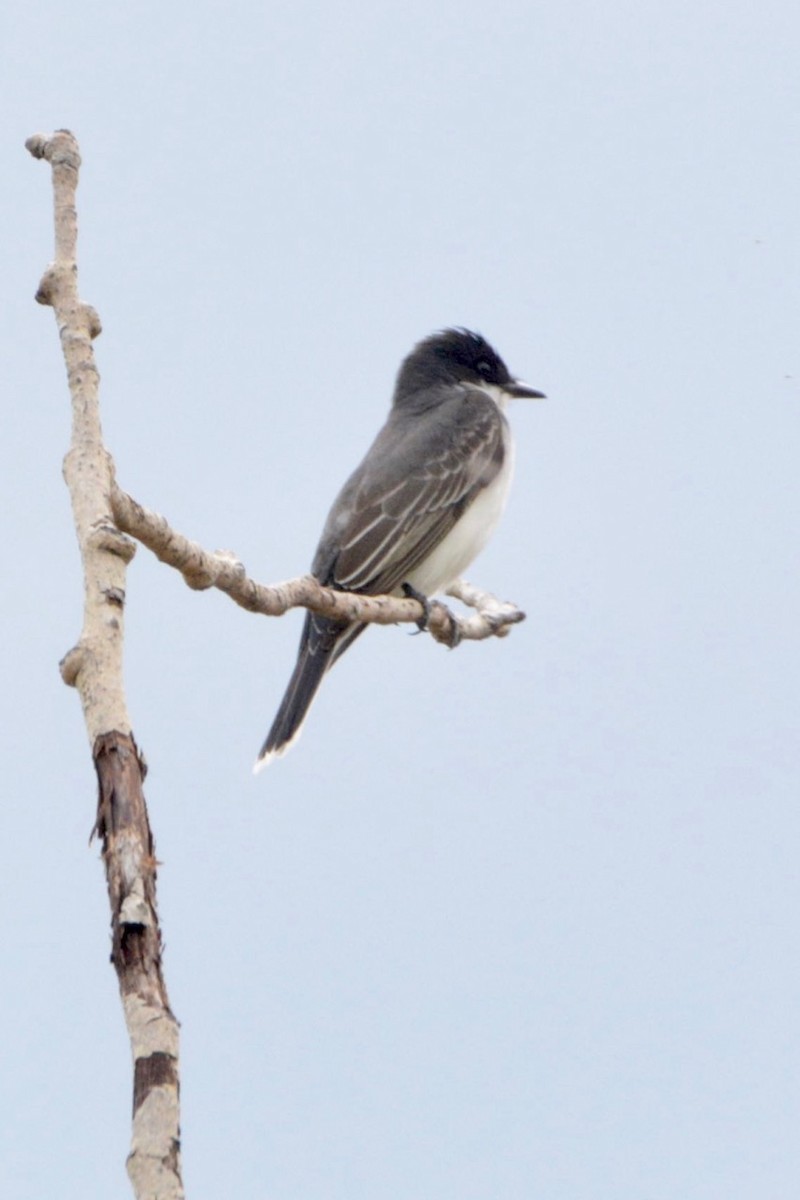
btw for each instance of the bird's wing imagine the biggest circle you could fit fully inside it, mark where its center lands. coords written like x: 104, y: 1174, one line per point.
x: 404, y: 509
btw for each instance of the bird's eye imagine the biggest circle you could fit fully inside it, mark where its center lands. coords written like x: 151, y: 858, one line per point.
x: 484, y: 368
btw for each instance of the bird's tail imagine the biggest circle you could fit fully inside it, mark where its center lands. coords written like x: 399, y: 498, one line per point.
x: 321, y: 644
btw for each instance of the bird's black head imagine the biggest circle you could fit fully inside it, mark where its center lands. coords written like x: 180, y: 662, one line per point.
x: 456, y: 356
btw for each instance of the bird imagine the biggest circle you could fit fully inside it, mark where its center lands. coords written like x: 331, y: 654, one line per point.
x: 420, y: 506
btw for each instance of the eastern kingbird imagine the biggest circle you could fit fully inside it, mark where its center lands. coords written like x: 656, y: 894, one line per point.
x: 420, y: 506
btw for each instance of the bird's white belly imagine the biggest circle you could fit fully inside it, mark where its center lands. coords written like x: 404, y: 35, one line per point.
x: 467, y: 538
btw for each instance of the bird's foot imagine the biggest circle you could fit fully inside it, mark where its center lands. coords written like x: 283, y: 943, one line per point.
x: 412, y: 594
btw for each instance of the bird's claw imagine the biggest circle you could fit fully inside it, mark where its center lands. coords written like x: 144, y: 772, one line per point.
x: 455, y: 633
x: 411, y: 592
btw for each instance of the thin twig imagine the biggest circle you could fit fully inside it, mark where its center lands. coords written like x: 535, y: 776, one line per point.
x: 221, y: 569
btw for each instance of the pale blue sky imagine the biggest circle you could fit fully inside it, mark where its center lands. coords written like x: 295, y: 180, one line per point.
x: 517, y: 921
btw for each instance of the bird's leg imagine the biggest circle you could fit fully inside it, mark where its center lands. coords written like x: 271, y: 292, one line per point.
x: 412, y: 594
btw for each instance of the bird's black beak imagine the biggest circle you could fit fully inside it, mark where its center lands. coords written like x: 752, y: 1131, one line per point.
x: 521, y: 391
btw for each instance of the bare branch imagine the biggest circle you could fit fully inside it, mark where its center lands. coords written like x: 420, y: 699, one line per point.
x: 94, y: 667
x: 221, y: 569
x: 104, y: 516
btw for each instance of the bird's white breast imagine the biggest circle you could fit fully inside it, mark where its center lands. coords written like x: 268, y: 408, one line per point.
x: 467, y: 538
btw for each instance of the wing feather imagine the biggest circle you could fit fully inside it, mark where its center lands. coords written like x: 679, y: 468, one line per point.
x: 401, y: 512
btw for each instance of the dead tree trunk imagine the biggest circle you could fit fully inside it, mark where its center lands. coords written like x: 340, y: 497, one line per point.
x: 94, y: 667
